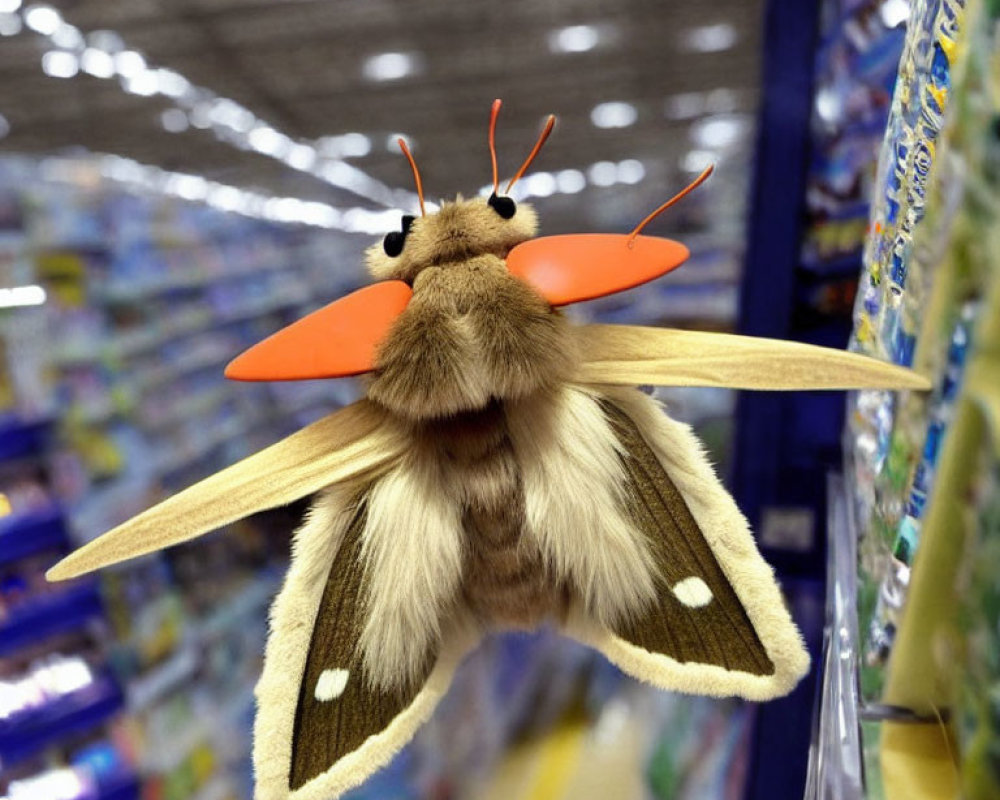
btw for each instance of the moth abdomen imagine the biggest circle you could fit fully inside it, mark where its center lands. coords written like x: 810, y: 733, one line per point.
x: 504, y: 581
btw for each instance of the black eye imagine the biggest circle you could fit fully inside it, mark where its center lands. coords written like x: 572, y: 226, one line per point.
x: 393, y: 242
x: 504, y: 206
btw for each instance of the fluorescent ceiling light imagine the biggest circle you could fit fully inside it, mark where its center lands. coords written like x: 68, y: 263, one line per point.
x: 9, y: 6
x: 614, y: 115
x: 574, y: 39
x: 60, y: 64
x: 540, y: 184
x: 718, y: 132
x: 22, y: 296
x: 603, y: 173
x: 631, y: 171
x: 129, y: 63
x: 568, y: 181
x: 67, y: 37
x: 108, y: 41
x: 301, y: 157
x: 354, y: 145
x: 389, y: 66
x: 97, y: 63
x: 698, y: 160
x: 200, y: 116
x: 710, y: 38
x: 265, y: 139
x: 143, y: 84
x: 171, y: 84
x: 349, y: 145
x: 10, y: 24
x: 231, y: 114
x: 174, y: 120
x: 187, y: 187
x: 42, y: 19
x: 197, y: 102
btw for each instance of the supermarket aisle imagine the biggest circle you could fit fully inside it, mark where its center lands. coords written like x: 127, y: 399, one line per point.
x: 179, y: 181
x: 177, y: 184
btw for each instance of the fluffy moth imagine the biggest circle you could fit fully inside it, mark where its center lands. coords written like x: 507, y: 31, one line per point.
x: 503, y: 471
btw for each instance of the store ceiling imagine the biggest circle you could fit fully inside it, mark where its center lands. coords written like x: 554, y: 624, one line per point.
x: 299, y: 65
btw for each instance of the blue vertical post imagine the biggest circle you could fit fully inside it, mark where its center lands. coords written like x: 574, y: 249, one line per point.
x: 777, y: 207
x: 761, y: 474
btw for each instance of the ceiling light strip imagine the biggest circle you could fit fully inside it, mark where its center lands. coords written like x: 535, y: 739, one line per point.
x: 224, y: 197
x: 104, y: 55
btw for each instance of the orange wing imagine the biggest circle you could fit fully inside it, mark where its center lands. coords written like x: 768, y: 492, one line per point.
x: 340, y: 339
x: 571, y: 268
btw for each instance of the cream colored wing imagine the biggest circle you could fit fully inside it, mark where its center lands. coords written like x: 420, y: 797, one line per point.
x: 718, y: 625
x: 352, y: 442
x: 322, y: 725
x: 625, y: 354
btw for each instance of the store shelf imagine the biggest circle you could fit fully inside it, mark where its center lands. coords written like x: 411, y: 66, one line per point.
x: 835, y: 761
x: 162, y: 679
x: 20, y: 438
x: 48, y: 615
x: 22, y: 535
x: 195, y: 279
x: 246, y: 601
x: 219, y: 788
x: 847, y: 265
x: 125, y: 787
x: 75, y: 713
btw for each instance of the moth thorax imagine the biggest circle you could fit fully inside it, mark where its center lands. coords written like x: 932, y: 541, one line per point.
x: 472, y: 333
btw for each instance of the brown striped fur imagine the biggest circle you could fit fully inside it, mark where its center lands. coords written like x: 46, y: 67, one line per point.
x: 504, y: 579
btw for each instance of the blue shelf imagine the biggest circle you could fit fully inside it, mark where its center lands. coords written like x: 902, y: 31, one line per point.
x: 20, y: 438
x: 126, y: 787
x: 75, y: 713
x: 50, y: 615
x: 836, y: 267
x: 22, y: 535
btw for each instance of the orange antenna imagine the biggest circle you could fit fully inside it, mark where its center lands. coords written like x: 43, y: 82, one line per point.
x: 676, y: 198
x: 416, y: 173
x: 494, y: 113
x: 550, y: 123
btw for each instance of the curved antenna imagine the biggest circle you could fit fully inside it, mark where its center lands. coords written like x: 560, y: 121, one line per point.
x: 416, y: 173
x: 677, y: 197
x: 494, y: 113
x: 550, y: 123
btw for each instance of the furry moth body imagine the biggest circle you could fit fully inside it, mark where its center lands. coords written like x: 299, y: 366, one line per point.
x: 494, y: 477
x: 510, y: 508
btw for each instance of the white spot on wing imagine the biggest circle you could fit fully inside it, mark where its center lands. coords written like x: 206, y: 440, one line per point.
x: 331, y: 684
x: 693, y: 592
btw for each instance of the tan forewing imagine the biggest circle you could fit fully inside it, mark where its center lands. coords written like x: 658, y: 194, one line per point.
x: 625, y: 354
x: 350, y: 443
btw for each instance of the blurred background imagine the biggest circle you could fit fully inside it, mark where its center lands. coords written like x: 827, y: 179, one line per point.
x: 180, y: 178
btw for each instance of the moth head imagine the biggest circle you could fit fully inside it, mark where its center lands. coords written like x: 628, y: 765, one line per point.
x: 460, y: 230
